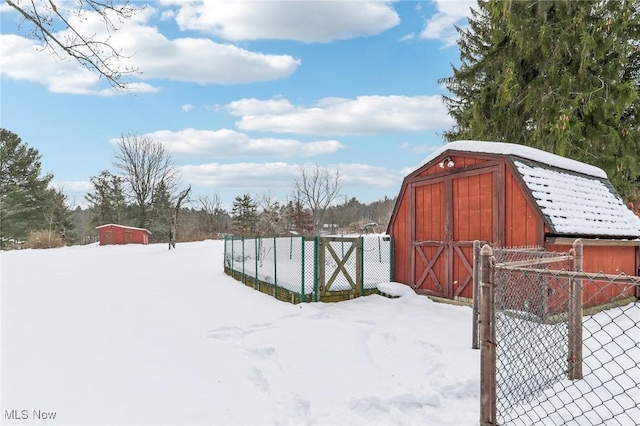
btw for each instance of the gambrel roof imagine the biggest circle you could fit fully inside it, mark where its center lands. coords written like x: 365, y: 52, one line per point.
x: 575, y: 198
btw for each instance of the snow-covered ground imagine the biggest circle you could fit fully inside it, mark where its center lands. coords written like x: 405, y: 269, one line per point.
x: 143, y: 335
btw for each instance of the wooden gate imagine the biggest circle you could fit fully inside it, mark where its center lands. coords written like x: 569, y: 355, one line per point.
x: 341, y: 270
x: 448, y: 213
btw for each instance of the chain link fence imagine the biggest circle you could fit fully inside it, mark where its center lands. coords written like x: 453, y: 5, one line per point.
x: 558, y: 346
x: 305, y: 269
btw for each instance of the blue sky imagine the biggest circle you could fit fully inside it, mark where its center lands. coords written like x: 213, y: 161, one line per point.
x: 243, y: 94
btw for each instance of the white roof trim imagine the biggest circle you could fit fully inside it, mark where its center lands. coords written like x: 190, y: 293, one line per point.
x: 519, y: 151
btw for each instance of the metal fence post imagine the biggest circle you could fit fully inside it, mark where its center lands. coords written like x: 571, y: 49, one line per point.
x: 575, y: 314
x: 233, y: 258
x: 475, y: 344
x: 225, y: 252
x: 244, y: 280
x: 391, y: 259
x: 360, y: 264
x: 256, y: 285
x: 275, y: 269
x: 303, y: 296
x: 487, y: 337
x: 316, y: 270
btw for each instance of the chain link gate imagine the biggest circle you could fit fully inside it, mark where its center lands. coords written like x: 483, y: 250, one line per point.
x: 551, y: 353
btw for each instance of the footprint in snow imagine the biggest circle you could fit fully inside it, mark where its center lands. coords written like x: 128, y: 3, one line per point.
x: 236, y: 333
x: 257, y: 378
x: 262, y: 353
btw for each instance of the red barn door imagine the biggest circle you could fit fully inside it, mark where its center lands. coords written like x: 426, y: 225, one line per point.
x: 449, y: 213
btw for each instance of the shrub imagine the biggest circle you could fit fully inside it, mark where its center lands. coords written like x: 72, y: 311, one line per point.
x: 42, y: 240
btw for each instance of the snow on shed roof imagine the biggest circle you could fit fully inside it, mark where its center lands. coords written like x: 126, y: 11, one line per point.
x: 123, y: 227
x: 574, y: 204
x: 580, y: 201
x: 519, y: 151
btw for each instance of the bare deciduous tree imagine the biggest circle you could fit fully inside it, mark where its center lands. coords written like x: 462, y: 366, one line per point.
x: 56, y: 24
x: 317, y: 188
x: 174, y: 222
x: 144, y: 163
x: 271, y: 220
x: 215, y: 214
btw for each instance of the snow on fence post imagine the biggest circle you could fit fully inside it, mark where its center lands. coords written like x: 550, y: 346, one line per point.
x: 575, y: 314
x: 488, y: 412
x: 476, y: 293
x: 275, y: 269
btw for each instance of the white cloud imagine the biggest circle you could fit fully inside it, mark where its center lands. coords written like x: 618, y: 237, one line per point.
x: 339, y: 116
x: 408, y: 37
x: 279, y: 176
x: 225, y: 143
x: 74, y: 190
x: 364, y: 175
x: 441, y: 25
x: 258, y: 177
x: 187, y: 107
x: 145, y: 48
x: 306, y: 21
x: 23, y: 59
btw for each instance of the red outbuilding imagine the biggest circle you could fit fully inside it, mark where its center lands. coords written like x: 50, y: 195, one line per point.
x: 507, y: 195
x: 119, y: 234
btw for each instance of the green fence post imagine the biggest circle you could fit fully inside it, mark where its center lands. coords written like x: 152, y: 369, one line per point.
x: 379, y: 250
x: 275, y: 270
x: 243, y: 262
x: 224, y: 262
x: 290, y: 246
x: 361, y: 254
x: 233, y: 258
x: 255, y: 281
x: 391, y: 262
x: 316, y: 255
x: 303, y: 295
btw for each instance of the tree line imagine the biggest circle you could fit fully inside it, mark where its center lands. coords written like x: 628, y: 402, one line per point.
x: 144, y: 190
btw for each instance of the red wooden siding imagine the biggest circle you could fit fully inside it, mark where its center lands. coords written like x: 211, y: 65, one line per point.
x: 442, y: 210
x: 429, y: 218
x: 474, y: 216
x: 612, y: 260
x: 400, y: 232
x: 523, y: 223
x: 116, y: 234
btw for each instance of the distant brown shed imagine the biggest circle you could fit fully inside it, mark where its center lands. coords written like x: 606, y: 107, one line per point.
x: 119, y: 234
x: 507, y: 195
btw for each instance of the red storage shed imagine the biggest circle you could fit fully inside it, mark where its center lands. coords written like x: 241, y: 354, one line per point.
x: 507, y: 195
x: 119, y: 234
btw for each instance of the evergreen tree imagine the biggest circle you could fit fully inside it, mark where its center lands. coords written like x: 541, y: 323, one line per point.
x: 160, y: 213
x: 244, y: 213
x: 59, y: 217
x: 107, y: 201
x: 561, y: 76
x: 22, y: 188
